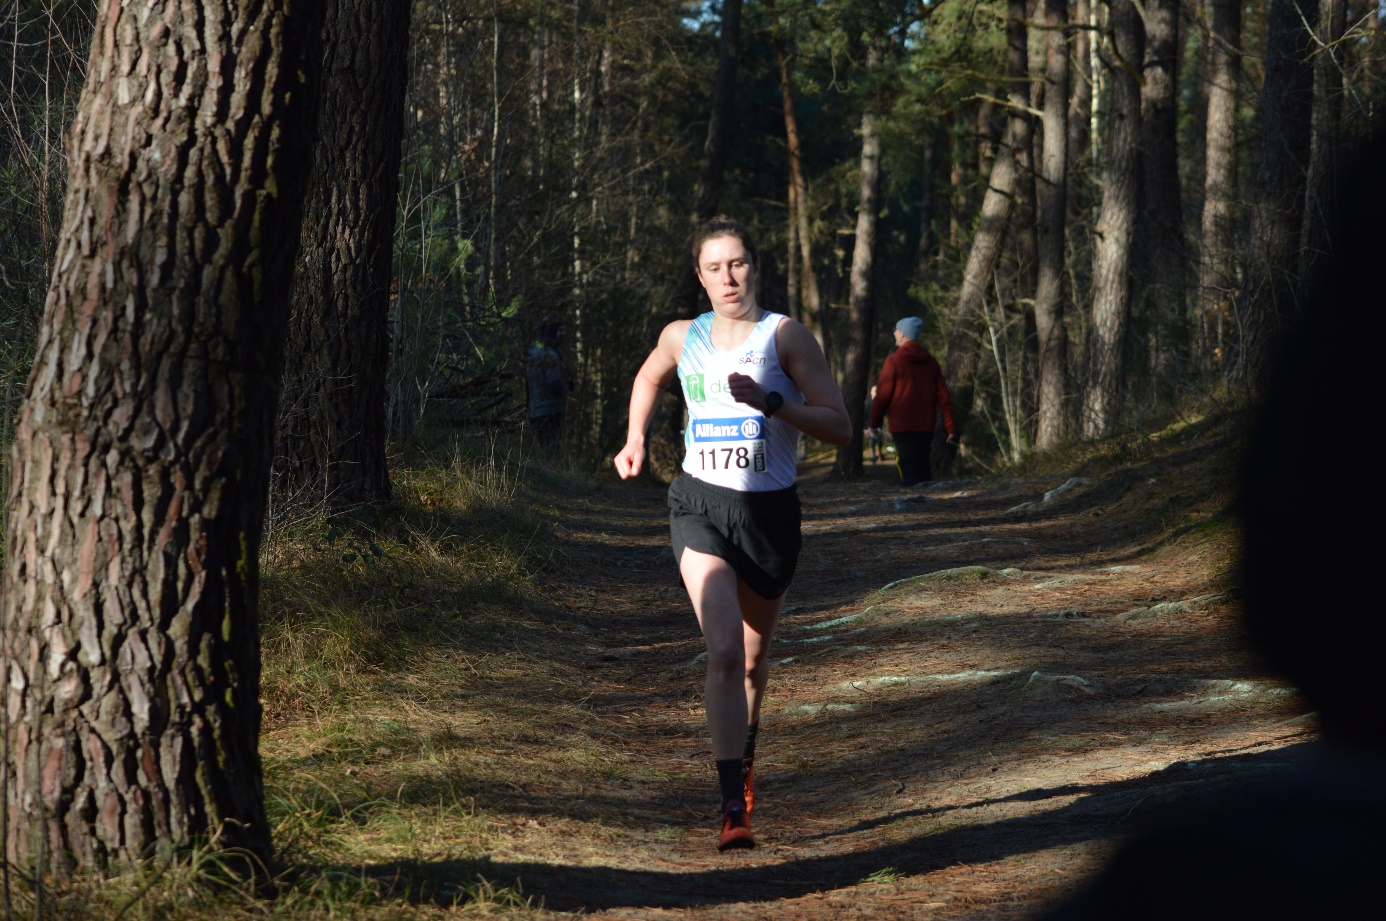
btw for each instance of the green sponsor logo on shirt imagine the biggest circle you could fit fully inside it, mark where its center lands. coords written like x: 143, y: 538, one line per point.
x: 693, y: 386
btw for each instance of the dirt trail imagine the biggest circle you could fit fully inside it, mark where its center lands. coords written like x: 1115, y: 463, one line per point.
x: 971, y: 703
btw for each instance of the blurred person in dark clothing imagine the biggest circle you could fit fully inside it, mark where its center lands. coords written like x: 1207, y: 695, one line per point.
x: 545, y: 383
x: 912, y: 393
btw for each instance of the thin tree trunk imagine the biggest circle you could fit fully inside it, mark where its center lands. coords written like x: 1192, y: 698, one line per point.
x: 578, y: 144
x: 988, y: 135
x: 332, y: 411
x: 807, y: 279
x: 1026, y: 91
x: 969, y: 320
x: 862, y: 316
x: 1271, y: 285
x: 689, y: 298
x: 1161, y: 259
x: 1323, y: 144
x: 718, y: 144
x: 957, y: 181
x: 141, y: 457
x: 1374, y: 66
x: 965, y: 339
x: 793, y: 298
x: 1116, y: 226
x: 538, y: 99
x: 1051, y: 428
x: 1217, y: 279
x: 928, y: 197
x: 1080, y: 108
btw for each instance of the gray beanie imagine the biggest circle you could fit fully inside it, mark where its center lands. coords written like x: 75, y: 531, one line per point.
x: 911, y: 327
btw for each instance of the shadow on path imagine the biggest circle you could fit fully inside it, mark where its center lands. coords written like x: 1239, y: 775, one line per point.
x: 1101, y: 812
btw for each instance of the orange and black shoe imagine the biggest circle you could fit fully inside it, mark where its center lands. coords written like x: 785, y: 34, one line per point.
x: 736, y: 828
x: 748, y: 784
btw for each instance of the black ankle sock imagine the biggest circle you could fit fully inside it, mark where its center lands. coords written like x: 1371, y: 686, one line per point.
x: 751, y: 731
x: 729, y: 779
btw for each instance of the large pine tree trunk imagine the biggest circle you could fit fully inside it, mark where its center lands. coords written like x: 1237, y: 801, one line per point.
x: 141, y: 455
x: 1323, y: 144
x: 1271, y: 285
x: 862, y: 315
x: 332, y: 410
x: 1217, y: 273
x: 1161, y: 257
x: 1053, y: 191
x: 1116, y: 227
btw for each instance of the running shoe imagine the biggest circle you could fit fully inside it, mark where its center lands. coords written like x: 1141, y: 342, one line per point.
x: 736, y: 828
x: 748, y: 783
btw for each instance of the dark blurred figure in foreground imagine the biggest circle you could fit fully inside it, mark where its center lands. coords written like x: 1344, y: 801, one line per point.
x: 1311, y: 844
x: 546, y: 384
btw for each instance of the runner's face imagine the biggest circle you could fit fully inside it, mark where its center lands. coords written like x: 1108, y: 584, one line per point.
x: 727, y: 275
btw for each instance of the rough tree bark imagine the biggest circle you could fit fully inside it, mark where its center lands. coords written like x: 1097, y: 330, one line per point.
x: 1161, y: 258
x: 1051, y: 427
x: 1116, y: 226
x: 332, y: 409
x: 1276, y: 201
x: 1217, y: 272
x: 965, y: 339
x: 141, y: 455
x: 861, y: 321
x: 1323, y: 144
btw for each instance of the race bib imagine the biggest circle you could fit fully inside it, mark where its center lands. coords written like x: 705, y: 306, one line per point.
x: 729, y: 444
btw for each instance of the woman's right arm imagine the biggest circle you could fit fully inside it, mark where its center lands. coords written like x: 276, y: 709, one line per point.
x: 654, y: 375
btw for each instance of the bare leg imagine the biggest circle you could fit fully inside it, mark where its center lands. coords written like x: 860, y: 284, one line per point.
x: 759, y: 617
x: 713, y: 588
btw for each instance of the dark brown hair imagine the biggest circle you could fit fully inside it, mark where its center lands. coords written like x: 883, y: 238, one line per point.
x: 723, y: 226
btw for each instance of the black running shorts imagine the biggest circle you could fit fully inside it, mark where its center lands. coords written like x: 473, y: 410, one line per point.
x: 756, y: 532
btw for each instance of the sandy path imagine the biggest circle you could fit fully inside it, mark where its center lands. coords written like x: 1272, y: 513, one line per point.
x: 966, y: 744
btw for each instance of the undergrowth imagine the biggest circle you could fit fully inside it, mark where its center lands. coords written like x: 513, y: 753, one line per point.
x: 359, y: 595
x: 1094, y: 458
x: 364, y: 613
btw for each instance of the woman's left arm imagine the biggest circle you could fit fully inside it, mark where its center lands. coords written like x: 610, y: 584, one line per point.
x: 823, y: 414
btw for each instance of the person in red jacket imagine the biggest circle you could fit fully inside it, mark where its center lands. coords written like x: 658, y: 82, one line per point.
x: 912, y: 393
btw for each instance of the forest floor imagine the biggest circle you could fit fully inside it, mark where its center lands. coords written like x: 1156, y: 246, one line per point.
x: 979, y: 689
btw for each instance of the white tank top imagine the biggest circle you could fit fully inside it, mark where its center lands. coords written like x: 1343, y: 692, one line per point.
x: 728, y: 443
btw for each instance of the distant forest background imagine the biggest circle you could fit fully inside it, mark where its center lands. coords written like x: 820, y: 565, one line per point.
x: 1101, y: 210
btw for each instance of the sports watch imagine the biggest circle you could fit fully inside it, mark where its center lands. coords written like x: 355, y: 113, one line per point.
x: 773, y: 402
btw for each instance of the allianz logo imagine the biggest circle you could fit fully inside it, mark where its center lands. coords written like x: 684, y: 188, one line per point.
x: 722, y: 429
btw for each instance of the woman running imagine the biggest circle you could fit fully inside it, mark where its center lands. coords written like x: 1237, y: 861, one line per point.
x: 753, y: 380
